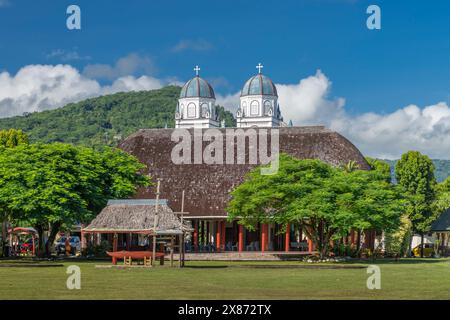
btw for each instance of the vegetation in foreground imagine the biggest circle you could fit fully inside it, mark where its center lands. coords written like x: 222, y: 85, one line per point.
x: 53, y: 186
x: 406, y: 279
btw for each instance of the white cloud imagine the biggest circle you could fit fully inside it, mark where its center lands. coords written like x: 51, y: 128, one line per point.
x: 4, y: 3
x: 378, y: 135
x: 229, y: 102
x: 66, y: 56
x: 308, y: 102
x: 132, y: 64
x: 43, y: 87
x: 194, y: 45
x: 130, y: 83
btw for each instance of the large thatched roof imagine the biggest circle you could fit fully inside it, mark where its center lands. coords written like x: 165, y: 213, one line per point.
x: 136, y: 216
x: 208, y: 187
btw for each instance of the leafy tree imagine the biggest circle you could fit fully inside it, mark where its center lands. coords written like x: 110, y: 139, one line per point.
x: 59, y: 184
x: 12, y: 138
x: 327, y: 202
x: 9, y: 139
x: 381, y: 166
x: 397, y: 241
x: 415, y: 173
x: 442, y: 202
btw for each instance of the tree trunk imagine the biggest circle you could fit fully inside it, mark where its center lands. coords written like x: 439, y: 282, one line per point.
x: 4, y: 237
x: 358, y: 243
x: 51, y: 238
x: 41, y: 246
x: 421, y: 244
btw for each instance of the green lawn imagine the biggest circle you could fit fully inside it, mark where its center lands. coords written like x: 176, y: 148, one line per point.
x: 407, y: 279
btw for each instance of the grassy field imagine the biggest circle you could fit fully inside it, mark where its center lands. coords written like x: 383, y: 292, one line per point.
x: 407, y: 279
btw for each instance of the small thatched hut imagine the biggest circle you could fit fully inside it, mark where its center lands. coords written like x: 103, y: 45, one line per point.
x: 128, y: 225
x: 138, y: 217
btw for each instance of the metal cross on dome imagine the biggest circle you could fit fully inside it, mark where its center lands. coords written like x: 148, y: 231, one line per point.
x: 197, y: 69
x: 259, y: 67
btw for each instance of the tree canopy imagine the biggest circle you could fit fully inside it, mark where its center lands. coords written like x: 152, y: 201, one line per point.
x: 381, y: 166
x: 60, y: 184
x: 415, y: 173
x: 12, y: 138
x: 327, y: 202
x: 442, y: 202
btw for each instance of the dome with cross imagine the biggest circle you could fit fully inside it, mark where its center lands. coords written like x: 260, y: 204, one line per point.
x: 197, y: 87
x: 259, y: 85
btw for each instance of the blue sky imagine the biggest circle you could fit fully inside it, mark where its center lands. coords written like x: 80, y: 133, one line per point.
x: 380, y: 71
x: 406, y: 62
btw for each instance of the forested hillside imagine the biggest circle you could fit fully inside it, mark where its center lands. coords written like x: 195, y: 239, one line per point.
x: 104, y: 120
x: 442, y: 168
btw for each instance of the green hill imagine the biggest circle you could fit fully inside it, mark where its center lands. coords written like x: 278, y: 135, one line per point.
x: 104, y: 120
x: 442, y: 168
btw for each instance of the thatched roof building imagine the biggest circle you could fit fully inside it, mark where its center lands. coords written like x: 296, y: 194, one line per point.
x: 208, y: 186
x: 137, y: 216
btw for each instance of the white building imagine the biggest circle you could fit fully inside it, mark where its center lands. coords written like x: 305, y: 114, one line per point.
x: 259, y: 103
x: 258, y: 107
x: 196, y: 106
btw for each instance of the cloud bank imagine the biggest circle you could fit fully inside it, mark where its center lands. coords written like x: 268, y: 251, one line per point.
x: 43, y: 87
x: 132, y: 64
x: 308, y: 102
x: 193, y: 45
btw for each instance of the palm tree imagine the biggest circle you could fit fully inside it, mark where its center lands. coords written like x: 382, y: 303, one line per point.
x: 350, y: 166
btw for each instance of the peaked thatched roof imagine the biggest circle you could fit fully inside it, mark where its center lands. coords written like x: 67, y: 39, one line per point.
x: 208, y: 186
x: 442, y: 224
x: 136, y: 216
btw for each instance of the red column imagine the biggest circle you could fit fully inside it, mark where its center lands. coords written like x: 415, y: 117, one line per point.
x: 287, y: 238
x: 196, y: 235
x: 218, y: 235
x: 263, y: 237
x: 310, y: 246
x: 241, y: 238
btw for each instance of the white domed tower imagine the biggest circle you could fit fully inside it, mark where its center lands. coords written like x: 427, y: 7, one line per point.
x: 259, y: 103
x: 196, y: 106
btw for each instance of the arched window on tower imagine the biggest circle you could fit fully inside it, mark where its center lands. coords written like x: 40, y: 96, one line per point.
x: 267, y: 107
x: 254, y: 108
x: 244, y: 108
x: 205, y: 110
x: 191, y: 110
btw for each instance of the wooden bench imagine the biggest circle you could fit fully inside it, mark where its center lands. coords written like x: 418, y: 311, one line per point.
x: 128, y: 257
